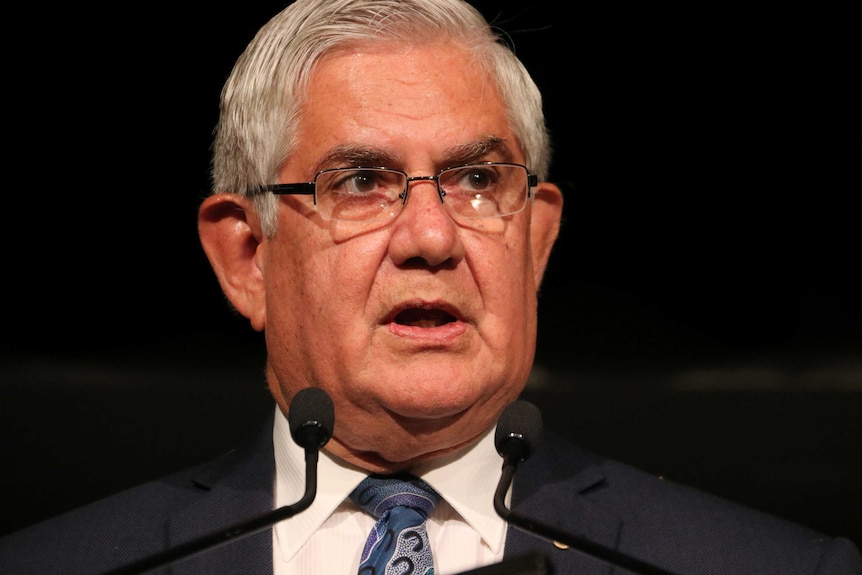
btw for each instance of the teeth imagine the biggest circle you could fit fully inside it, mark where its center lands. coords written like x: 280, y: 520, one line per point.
x: 424, y: 323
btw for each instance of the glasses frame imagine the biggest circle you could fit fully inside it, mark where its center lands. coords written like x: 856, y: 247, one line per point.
x: 310, y: 188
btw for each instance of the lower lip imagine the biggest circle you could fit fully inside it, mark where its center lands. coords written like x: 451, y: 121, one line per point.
x: 439, y: 335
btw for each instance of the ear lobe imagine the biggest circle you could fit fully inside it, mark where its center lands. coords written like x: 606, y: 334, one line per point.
x: 231, y: 237
x: 547, y: 211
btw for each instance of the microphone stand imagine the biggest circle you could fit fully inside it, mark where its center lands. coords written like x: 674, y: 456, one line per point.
x: 243, y: 528
x: 582, y: 544
x: 311, y: 420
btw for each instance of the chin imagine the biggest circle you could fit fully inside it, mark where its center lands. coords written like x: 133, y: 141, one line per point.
x: 429, y: 405
x: 412, y: 447
x: 439, y: 390
x: 425, y: 435
x: 401, y: 448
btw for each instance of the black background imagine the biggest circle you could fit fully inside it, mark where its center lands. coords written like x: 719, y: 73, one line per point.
x: 700, y: 316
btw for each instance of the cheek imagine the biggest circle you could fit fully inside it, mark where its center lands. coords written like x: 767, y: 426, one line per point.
x: 502, y: 271
x: 316, y: 288
x: 502, y: 266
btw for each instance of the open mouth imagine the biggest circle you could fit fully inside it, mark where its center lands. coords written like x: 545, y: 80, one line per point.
x: 418, y: 317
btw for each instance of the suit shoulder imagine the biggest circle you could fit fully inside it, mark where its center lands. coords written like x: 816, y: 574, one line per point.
x: 142, y: 520
x: 673, y: 523
x: 130, y: 519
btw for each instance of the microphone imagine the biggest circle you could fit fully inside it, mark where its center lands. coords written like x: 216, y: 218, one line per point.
x: 517, y: 434
x: 311, y: 418
x: 518, y: 431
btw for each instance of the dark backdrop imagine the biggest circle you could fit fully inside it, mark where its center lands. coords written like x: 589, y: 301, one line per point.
x: 700, y: 316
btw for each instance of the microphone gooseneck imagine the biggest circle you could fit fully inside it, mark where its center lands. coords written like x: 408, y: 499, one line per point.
x: 516, y: 436
x: 311, y: 418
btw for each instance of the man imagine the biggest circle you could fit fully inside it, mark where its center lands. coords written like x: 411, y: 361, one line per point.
x: 380, y: 212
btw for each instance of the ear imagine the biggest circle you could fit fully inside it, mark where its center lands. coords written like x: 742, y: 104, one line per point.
x: 547, y: 211
x: 231, y: 237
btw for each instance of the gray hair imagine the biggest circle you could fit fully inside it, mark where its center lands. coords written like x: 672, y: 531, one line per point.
x: 261, y: 100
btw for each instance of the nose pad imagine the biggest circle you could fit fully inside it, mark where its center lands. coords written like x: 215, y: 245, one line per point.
x: 405, y: 195
x: 410, y: 192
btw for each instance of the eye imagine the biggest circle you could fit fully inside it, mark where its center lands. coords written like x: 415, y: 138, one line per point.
x: 350, y: 182
x: 474, y: 179
x: 481, y: 179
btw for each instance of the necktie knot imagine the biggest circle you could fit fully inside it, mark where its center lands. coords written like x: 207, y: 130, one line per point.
x: 398, y: 543
x: 378, y: 494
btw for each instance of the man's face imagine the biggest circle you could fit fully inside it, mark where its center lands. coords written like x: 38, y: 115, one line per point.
x: 420, y: 329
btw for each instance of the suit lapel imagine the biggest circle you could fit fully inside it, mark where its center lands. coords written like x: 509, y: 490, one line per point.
x: 552, y: 488
x: 239, y: 488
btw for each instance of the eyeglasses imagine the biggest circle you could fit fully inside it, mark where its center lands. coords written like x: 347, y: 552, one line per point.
x: 481, y: 190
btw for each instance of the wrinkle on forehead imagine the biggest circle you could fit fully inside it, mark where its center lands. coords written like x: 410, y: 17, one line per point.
x: 488, y: 148
x: 410, y: 75
x: 426, y: 103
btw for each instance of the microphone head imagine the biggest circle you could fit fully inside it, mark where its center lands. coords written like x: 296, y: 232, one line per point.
x: 518, y: 430
x: 311, y: 417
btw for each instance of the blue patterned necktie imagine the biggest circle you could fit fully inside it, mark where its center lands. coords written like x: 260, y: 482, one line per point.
x: 398, y: 543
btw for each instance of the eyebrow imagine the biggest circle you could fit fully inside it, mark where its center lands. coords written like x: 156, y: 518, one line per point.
x: 355, y: 154
x: 479, y: 150
x: 346, y: 155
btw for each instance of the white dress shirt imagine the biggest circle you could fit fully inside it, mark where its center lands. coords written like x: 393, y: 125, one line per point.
x: 328, y: 537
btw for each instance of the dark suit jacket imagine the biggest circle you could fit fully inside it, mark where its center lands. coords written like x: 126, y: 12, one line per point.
x: 677, y: 528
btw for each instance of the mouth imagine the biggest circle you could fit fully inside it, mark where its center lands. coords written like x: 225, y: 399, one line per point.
x: 424, y: 317
x: 423, y: 314
x: 427, y: 323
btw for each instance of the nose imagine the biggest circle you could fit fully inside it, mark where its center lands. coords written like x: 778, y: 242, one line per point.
x: 424, y: 233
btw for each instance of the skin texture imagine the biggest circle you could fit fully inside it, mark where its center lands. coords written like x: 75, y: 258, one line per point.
x: 328, y: 294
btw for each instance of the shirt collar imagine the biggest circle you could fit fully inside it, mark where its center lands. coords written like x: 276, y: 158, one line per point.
x: 467, y: 480
x: 335, y: 481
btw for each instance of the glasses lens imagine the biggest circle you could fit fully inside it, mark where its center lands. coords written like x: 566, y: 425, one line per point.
x: 485, y: 190
x: 359, y: 194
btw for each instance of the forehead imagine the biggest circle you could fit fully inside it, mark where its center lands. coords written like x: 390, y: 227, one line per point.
x: 418, y: 102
